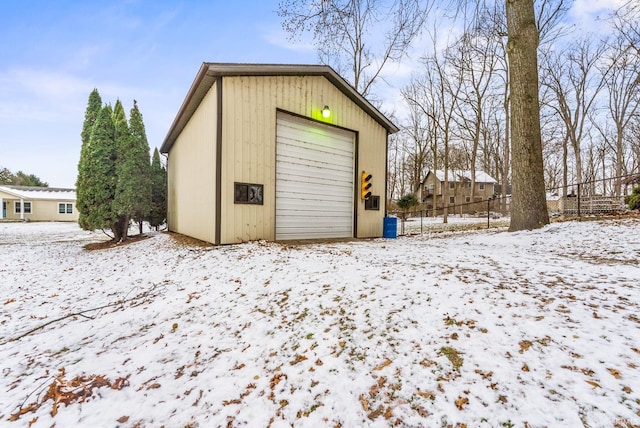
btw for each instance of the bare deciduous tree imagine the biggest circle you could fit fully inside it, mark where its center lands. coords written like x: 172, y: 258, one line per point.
x: 626, y: 20
x: 621, y: 71
x: 573, y: 79
x: 476, y: 61
x: 356, y: 37
x: 435, y: 94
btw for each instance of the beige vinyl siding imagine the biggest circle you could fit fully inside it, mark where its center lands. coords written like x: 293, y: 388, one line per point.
x: 48, y: 211
x: 41, y: 210
x: 193, y: 158
x: 248, y: 147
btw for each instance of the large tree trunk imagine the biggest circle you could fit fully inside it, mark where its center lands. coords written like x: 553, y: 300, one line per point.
x: 120, y: 228
x: 529, y: 206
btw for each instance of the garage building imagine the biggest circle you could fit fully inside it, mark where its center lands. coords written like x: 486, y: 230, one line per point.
x: 275, y: 152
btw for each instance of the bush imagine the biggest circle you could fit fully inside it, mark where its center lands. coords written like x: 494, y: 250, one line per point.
x: 407, y: 202
x: 633, y: 200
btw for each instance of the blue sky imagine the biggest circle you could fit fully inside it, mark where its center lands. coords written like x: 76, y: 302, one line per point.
x: 53, y: 53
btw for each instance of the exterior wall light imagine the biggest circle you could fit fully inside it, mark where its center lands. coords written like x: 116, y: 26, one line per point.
x: 326, y: 112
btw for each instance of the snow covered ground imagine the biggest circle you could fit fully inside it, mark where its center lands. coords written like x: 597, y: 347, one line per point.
x: 477, y: 329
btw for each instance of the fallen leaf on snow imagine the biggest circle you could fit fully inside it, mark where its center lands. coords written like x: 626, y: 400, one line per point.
x: 525, y: 345
x: 615, y: 373
x: 375, y: 413
x: 427, y: 362
x: 461, y: 401
x: 427, y: 394
x: 422, y: 411
x: 384, y: 364
x: 388, y: 413
x: 364, y: 402
x: 299, y: 358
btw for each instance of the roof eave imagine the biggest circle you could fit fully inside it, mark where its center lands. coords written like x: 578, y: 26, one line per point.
x: 209, y: 72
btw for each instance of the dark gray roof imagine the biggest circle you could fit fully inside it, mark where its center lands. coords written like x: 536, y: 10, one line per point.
x: 209, y: 72
x: 38, y: 188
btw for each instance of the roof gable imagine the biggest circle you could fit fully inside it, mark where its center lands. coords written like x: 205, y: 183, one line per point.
x: 210, y: 72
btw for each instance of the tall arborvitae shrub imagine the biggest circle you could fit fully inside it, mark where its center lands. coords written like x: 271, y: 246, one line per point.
x: 124, y: 198
x: 91, y: 114
x: 140, y: 184
x: 97, y: 175
x: 158, y: 213
x: 114, y: 174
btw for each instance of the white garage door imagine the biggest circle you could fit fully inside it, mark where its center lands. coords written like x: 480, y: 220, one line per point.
x: 314, y: 180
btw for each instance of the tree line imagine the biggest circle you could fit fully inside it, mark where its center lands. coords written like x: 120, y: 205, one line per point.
x: 20, y: 179
x: 513, y: 90
x: 589, y: 93
x: 117, y: 183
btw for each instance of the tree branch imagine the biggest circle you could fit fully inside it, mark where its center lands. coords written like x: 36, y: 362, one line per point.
x: 142, y: 295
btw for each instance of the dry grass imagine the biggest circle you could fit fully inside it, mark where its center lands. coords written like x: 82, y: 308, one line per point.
x: 453, y: 355
x: 188, y: 241
x: 112, y: 244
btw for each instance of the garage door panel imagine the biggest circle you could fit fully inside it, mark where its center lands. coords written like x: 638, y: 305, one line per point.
x: 330, y: 140
x: 331, y: 163
x: 325, y: 176
x: 314, y: 180
x: 314, y: 157
x: 313, y: 233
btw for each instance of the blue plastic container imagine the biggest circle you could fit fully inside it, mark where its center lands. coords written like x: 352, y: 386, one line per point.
x: 390, y: 227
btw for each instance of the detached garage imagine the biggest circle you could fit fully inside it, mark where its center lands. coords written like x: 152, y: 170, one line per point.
x: 275, y: 152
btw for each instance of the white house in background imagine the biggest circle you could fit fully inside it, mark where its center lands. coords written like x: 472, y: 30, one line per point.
x: 37, y: 203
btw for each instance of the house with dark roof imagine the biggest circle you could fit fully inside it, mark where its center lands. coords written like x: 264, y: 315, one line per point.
x: 37, y: 203
x: 461, y: 188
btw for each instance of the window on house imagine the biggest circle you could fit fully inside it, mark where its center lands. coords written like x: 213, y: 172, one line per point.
x: 64, y: 208
x: 467, y: 199
x: 452, y: 185
x: 27, y: 208
x: 431, y: 187
x: 452, y: 199
x: 481, y: 186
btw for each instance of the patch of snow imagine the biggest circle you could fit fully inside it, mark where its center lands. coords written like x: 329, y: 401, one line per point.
x: 354, y: 334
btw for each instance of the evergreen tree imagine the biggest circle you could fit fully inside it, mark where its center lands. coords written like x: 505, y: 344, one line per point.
x: 114, y: 174
x: 6, y: 176
x: 31, y: 180
x: 94, y: 106
x: 90, y: 115
x: 633, y: 200
x: 124, y: 198
x: 158, y: 213
x: 96, y: 184
x: 141, y: 179
x: 20, y: 179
